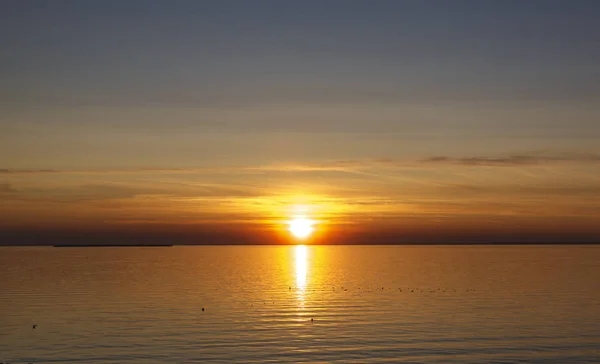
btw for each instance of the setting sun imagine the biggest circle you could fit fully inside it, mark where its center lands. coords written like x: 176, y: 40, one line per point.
x: 301, y: 227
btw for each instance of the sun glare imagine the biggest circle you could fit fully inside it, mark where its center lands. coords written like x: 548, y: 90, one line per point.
x: 301, y: 227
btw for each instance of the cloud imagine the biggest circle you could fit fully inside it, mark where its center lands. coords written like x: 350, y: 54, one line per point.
x: 341, y: 165
x: 344, y: 165
x: 6, y: 188
x: 92, y: 192
x: 549, y: 189
x: 355, y: 165
x: 335, y: 165
x: 101, y: 171
x: 25, y: 171
x: 516, y: 160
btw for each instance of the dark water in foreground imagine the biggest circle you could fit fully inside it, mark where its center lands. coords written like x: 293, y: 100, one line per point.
x: 463, y: 304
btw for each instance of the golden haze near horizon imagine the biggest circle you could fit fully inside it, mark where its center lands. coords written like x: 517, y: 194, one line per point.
x: 365, y: 200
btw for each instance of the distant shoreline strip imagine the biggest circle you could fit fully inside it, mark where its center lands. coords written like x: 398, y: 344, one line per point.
x: 112, y: 245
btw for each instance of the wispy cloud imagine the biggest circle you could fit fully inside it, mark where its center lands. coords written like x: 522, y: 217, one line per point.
x: 6, y: 188
x: 120, y: 191
x: 24, y: 171
x: 352, y: 165
x: 516, y: 160
x: 344, y: 165
x: 335, y: 165
x: 588, y: 190
x: 101, y: 171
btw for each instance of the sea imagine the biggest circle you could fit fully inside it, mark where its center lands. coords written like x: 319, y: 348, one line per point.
x: 300, y: 304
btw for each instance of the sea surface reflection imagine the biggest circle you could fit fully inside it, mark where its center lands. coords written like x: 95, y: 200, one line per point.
x: 301, y: 252
x: 359, y: 304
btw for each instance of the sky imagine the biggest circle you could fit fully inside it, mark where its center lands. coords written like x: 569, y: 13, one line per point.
x: 218, y: 121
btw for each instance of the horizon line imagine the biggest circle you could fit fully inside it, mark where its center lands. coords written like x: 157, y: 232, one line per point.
x: 293, y: 244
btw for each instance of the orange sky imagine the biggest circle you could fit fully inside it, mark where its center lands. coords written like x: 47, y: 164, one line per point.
x: 518, y: 197
x: 387, y: 121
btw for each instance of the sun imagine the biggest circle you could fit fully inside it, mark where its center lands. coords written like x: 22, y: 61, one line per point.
x: 301, y: 227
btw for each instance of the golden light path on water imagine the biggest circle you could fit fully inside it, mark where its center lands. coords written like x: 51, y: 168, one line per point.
x: 301, y: 252
x: 301, y: 266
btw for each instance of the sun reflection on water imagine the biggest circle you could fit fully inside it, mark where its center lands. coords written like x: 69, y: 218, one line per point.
x: 301, y: 266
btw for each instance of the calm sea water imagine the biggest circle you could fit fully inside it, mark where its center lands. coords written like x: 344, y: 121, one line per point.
x: 333, y: 304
